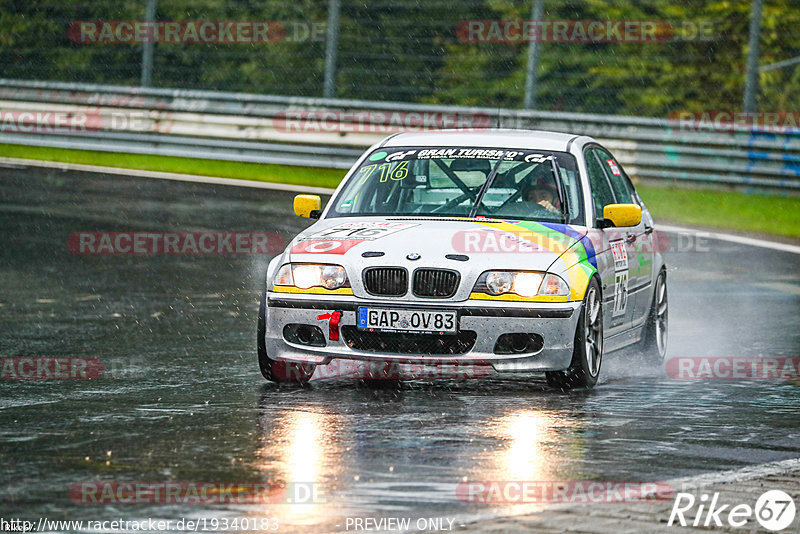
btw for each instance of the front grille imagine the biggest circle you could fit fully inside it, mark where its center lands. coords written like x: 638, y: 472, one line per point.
x: 399, y: 343
x: 386, y: 281
x: 438, y: 283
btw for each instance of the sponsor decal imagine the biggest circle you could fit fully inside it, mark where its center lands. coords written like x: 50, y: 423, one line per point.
x: 620, y: 256
x: 340, y: 246
x: 614, y: 167
x: 470, y: 153
x: 363, y: 231
x: 620, y: 278
x: 537, y: 158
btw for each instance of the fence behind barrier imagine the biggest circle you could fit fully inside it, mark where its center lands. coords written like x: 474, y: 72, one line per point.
x: 333, y: 132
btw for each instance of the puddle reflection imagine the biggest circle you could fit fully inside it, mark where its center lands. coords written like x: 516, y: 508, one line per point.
x: 300, y: 448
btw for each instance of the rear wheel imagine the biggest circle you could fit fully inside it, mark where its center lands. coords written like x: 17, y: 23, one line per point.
x: 654, y: 346
x: 587, y: 355
x: 272, y: 370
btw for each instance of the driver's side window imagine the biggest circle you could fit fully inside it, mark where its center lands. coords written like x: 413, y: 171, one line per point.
x: 601, y: 190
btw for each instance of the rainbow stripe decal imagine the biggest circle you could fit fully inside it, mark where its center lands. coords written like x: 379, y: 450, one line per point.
x: 560, y: 239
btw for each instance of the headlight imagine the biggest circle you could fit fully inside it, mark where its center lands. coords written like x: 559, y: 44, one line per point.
x: 522, y: 283
x: 498, y: 283
x: 308, y: 275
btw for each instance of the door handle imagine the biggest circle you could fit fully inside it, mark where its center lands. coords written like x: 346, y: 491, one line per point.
x: 630, y: 238
x: 648, y: 230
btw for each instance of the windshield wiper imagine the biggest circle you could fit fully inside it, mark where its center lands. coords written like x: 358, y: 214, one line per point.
x: 485, y: 187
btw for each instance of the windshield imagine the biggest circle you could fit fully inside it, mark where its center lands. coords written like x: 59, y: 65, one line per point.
x: 452, y: 182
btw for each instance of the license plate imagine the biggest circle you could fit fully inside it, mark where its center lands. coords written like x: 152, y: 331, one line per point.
x: 411, y: 321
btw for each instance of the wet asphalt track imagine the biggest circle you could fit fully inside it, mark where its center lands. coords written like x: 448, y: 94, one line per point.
x: 183, y: 400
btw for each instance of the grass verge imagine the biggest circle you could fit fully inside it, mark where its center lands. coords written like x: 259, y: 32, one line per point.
x: 284, y: 174
x: 762, y: 214
x: 731, y: 210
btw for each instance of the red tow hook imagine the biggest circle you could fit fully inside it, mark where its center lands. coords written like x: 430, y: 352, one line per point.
x: 333, y: 324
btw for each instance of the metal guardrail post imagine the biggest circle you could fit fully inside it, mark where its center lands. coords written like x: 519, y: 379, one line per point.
x: 532, y: 73
x: 751, y: 82
x: 147, y: 46
x: 331, y: 48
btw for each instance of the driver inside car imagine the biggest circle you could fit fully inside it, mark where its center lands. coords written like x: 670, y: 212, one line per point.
x: 545, y: 194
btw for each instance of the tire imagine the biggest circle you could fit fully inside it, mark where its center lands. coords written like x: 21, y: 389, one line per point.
x: 277, y: 371
x: 587, y: 354
x: 654, y: 344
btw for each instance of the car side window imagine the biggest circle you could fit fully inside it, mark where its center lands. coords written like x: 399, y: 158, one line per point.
x: 619, y: 182
x: 601, y: 190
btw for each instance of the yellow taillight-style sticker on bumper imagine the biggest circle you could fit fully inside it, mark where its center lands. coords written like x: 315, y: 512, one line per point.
x: 516, y: 298
x: 313, y: 290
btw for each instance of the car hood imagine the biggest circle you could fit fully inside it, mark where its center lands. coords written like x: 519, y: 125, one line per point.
x: 464, y: 245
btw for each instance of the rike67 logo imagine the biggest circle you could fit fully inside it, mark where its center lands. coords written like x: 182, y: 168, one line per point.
x: 774, y: 510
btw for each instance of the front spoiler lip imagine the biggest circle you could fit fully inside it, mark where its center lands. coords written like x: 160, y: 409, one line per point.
x: 474, y: 311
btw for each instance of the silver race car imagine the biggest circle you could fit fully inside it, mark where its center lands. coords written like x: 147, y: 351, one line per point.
x: 516, y: 250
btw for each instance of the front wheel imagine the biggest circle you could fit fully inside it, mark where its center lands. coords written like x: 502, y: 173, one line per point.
x: 272, y: 370
x: 587, y: 355
x: 654, y: 346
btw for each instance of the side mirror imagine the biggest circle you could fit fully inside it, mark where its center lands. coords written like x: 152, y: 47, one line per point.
x: 623, y: 214
x: 307, y: 206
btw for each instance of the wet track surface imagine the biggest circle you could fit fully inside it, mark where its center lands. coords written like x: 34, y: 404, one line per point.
x: 182, y: 398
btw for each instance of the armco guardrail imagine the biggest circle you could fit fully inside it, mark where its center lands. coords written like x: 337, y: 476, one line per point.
x: 258, y: 128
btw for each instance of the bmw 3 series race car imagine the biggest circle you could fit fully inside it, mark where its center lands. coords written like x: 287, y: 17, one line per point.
x: 523, y: 250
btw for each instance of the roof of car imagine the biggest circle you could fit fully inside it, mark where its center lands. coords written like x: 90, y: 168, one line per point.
x: 490, y: 138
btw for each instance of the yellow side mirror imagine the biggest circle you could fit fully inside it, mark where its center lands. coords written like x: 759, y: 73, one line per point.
x: 623, y: 214
x: 307, y: 206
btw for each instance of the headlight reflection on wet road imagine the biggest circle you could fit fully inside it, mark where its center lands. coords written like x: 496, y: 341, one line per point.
x: 528, y: 433
x: 299, y: 450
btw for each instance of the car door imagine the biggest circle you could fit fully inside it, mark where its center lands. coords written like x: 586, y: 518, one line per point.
x: 613, y: 257
x: 638, y: 239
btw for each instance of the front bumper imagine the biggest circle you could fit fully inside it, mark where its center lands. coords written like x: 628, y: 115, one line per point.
x: 555, y: 322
